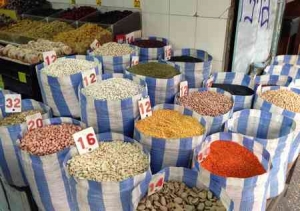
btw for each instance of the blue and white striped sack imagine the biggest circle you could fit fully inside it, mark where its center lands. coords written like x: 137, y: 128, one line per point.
x: 194, y: 73
x: 272, y: 80
x: 287, y: 59
x: 4, y: 92
x: 61, y: 94
x: 146, y: 54
x: 46, y: 176
x: 284, y: 69
x: 262, y: 104
x: 161, y: 90
x: 214, y: 124
x: 10, y: 163
x: 191, y: 179
x: 171, y: 152
x: 246, y: 193
x: 117, y: 115
x: 105, y: 196
x: 275, y: 132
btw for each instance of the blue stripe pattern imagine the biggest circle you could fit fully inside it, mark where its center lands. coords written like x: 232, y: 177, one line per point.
x: 284, y: 69
x: 272, y: 80
x: 287, y: 59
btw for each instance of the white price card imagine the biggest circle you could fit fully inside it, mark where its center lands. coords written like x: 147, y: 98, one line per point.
x: 168, y: 52
x: 156, y: 184
x: 86, y: 140
x: 184, y: 88
x: 49, y: 57
x: 135, y: 60
x: 209, y: 82
x: 13, y: 103
x: 89, y: 77
x: 145, y: 107
x: 129, y: 38
x: 95, y: 44
x: 203, y: 154
x: 34, y: 121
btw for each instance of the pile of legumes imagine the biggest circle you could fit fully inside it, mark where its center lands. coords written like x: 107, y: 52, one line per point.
x: 285, y: 99
x: 207, y: 103
x: 170, y: 124
x: 49, y: 139
x: 112, y: 161
x: 178, y: 196
x: 229, y: 159
x: 154, y: 70
x: 17, y: 118
x: 149, y: 43
x: 113, y: 49
x: 184, y: 58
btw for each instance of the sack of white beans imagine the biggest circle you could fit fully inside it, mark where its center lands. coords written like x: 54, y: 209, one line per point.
x: 283, y: 69
x: 272, y: 80
x: 11, y: 126
x: 60, y: 80
x: 275, y: 132
x: 42, y: 152
x: 287, y: 59
x: 104, y: 178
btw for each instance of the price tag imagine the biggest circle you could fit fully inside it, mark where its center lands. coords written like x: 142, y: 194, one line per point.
x: 86, y: 141
x: 156, y: 184
x: 137, y: 3
x: 203, y: 154
x: 49, y: 57
x: 184, y: 88
x: 121, y: 38
x: 95, y: 44
x: 259, y: 89
x: 129, y: 38
x: 89, y: 77
x: 34, y: 121
x: 135, y: 60
x: 145, y: 108
x: 98, y: 2
x: 13, y: 103
x: 168, y: 52
x: 209, y: 82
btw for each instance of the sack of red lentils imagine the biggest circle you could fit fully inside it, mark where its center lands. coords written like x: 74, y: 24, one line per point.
x: 272, y: 80
x: 104, y: 179
x: 186, y: 185
x: 111, y: 104
x: 238, y: 164
x: 59, y: 82
x: 287, y: 59
x: 283, y: 69
x: 42, y: 152
x: 275, y: 132
x: 11, y: 126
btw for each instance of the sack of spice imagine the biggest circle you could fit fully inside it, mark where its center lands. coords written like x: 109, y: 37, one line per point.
x: 170, y: 134
x: 283, y: 69
x: 104, y: 178
x: 195, y: 65
x: 241, y: 87
x: 271, y: 80
x: 287, y: 59
x: 150, y: 48
x: 275, y: 132
x: 238, y: 164
x: 162, y: 79
x: 42, y: 152
x: 11, y: 126
x: 60, y: 80
x: 111, y: 104
x: 214, y: 104
x: 181, y: 185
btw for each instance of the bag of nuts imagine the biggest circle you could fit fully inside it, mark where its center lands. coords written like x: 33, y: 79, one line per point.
x: 283, y: 69
x: 272, y: 80
x: 287, y: 59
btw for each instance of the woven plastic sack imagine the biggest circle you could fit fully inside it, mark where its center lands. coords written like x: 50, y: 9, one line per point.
x: 46, y: 177
x: 194, y: 73
x: 272, y: 80
x: 283, y: 69
x: 171, y: 152
x: 115, y: 116
x: 246, y: 193
x: 105, y: 196
x: 61, y: 94
x: 275, y: 132
x: 287, y: 59
x: 9, y: 161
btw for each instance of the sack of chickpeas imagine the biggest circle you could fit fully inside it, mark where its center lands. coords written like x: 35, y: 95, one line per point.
x: 104, y: 178
x: 181, y: 189
x: 111, y: 104
x: 59, y: 82
x: 42, y: 152
x: 272, y: 80
x: 11, y: 126
x: 238, y: 164
x: 287, y: 59
x: 170, y: 134
x: 283, y: 69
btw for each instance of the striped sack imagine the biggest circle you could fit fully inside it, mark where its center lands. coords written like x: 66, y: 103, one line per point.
x: 284, y: 69
x: 272, y: 80
x: 116, y: 115
x: 61, y: 94
x: 105, y: 196
x: 161, y: 90
x: 194, y: 73
x: 46, y: 176
x: 171, y: 152
x: 10, y: 163
x: 287, y: 59
x: 275, y: 132
x: 246, y: 193
x: 191, y: 179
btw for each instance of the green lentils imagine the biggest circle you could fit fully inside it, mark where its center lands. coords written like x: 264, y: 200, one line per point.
x: 17, y: 118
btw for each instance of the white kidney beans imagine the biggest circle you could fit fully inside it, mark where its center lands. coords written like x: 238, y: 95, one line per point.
x: 113, y: 49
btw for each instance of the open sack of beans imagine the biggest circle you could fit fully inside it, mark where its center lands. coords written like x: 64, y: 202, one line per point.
x: 275, y: 132
x: 42, y: 152
x: 238, y: 164
x: 182, y: 189
x: 162, y: 80
x: 170, y: 134
x: 287, y: 59
x: 150, y: 48
x: 104, y: 178
x: 111, y: 104
x: 283, y: 69
x: 11, y: 126
x: 214, y: 104
x: 60, y: 80
x: 272, y: 80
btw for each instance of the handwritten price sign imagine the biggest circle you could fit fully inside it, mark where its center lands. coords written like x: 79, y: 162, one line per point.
x: 13, y: 103
x: 168, y: 52
x: 49, y: 57
x: 89, y: 77
x: 34, y: 121
x: 145, y: 108
x: 209, y: 82
x: 135, y: 60
x: 95, y: 44
x: 156, y: 184
x: 202, y: 155
x: 184, y: 88
x: 86, y: 141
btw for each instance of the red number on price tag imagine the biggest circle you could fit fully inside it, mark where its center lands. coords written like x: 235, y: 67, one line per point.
x: 135, y: 60
x: 209, y: 82
x: 89, y: 77
x: 49, y: 57
x: 203, y: 154
x: 184, y: 88
x: 156, y: 183
x: 168, y: 52
x: 95, y: 44
x: 86, y: 140
x: 34, y: 121
x: 145, y: 108
x: 13, y: 103
x: 129, y: 38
